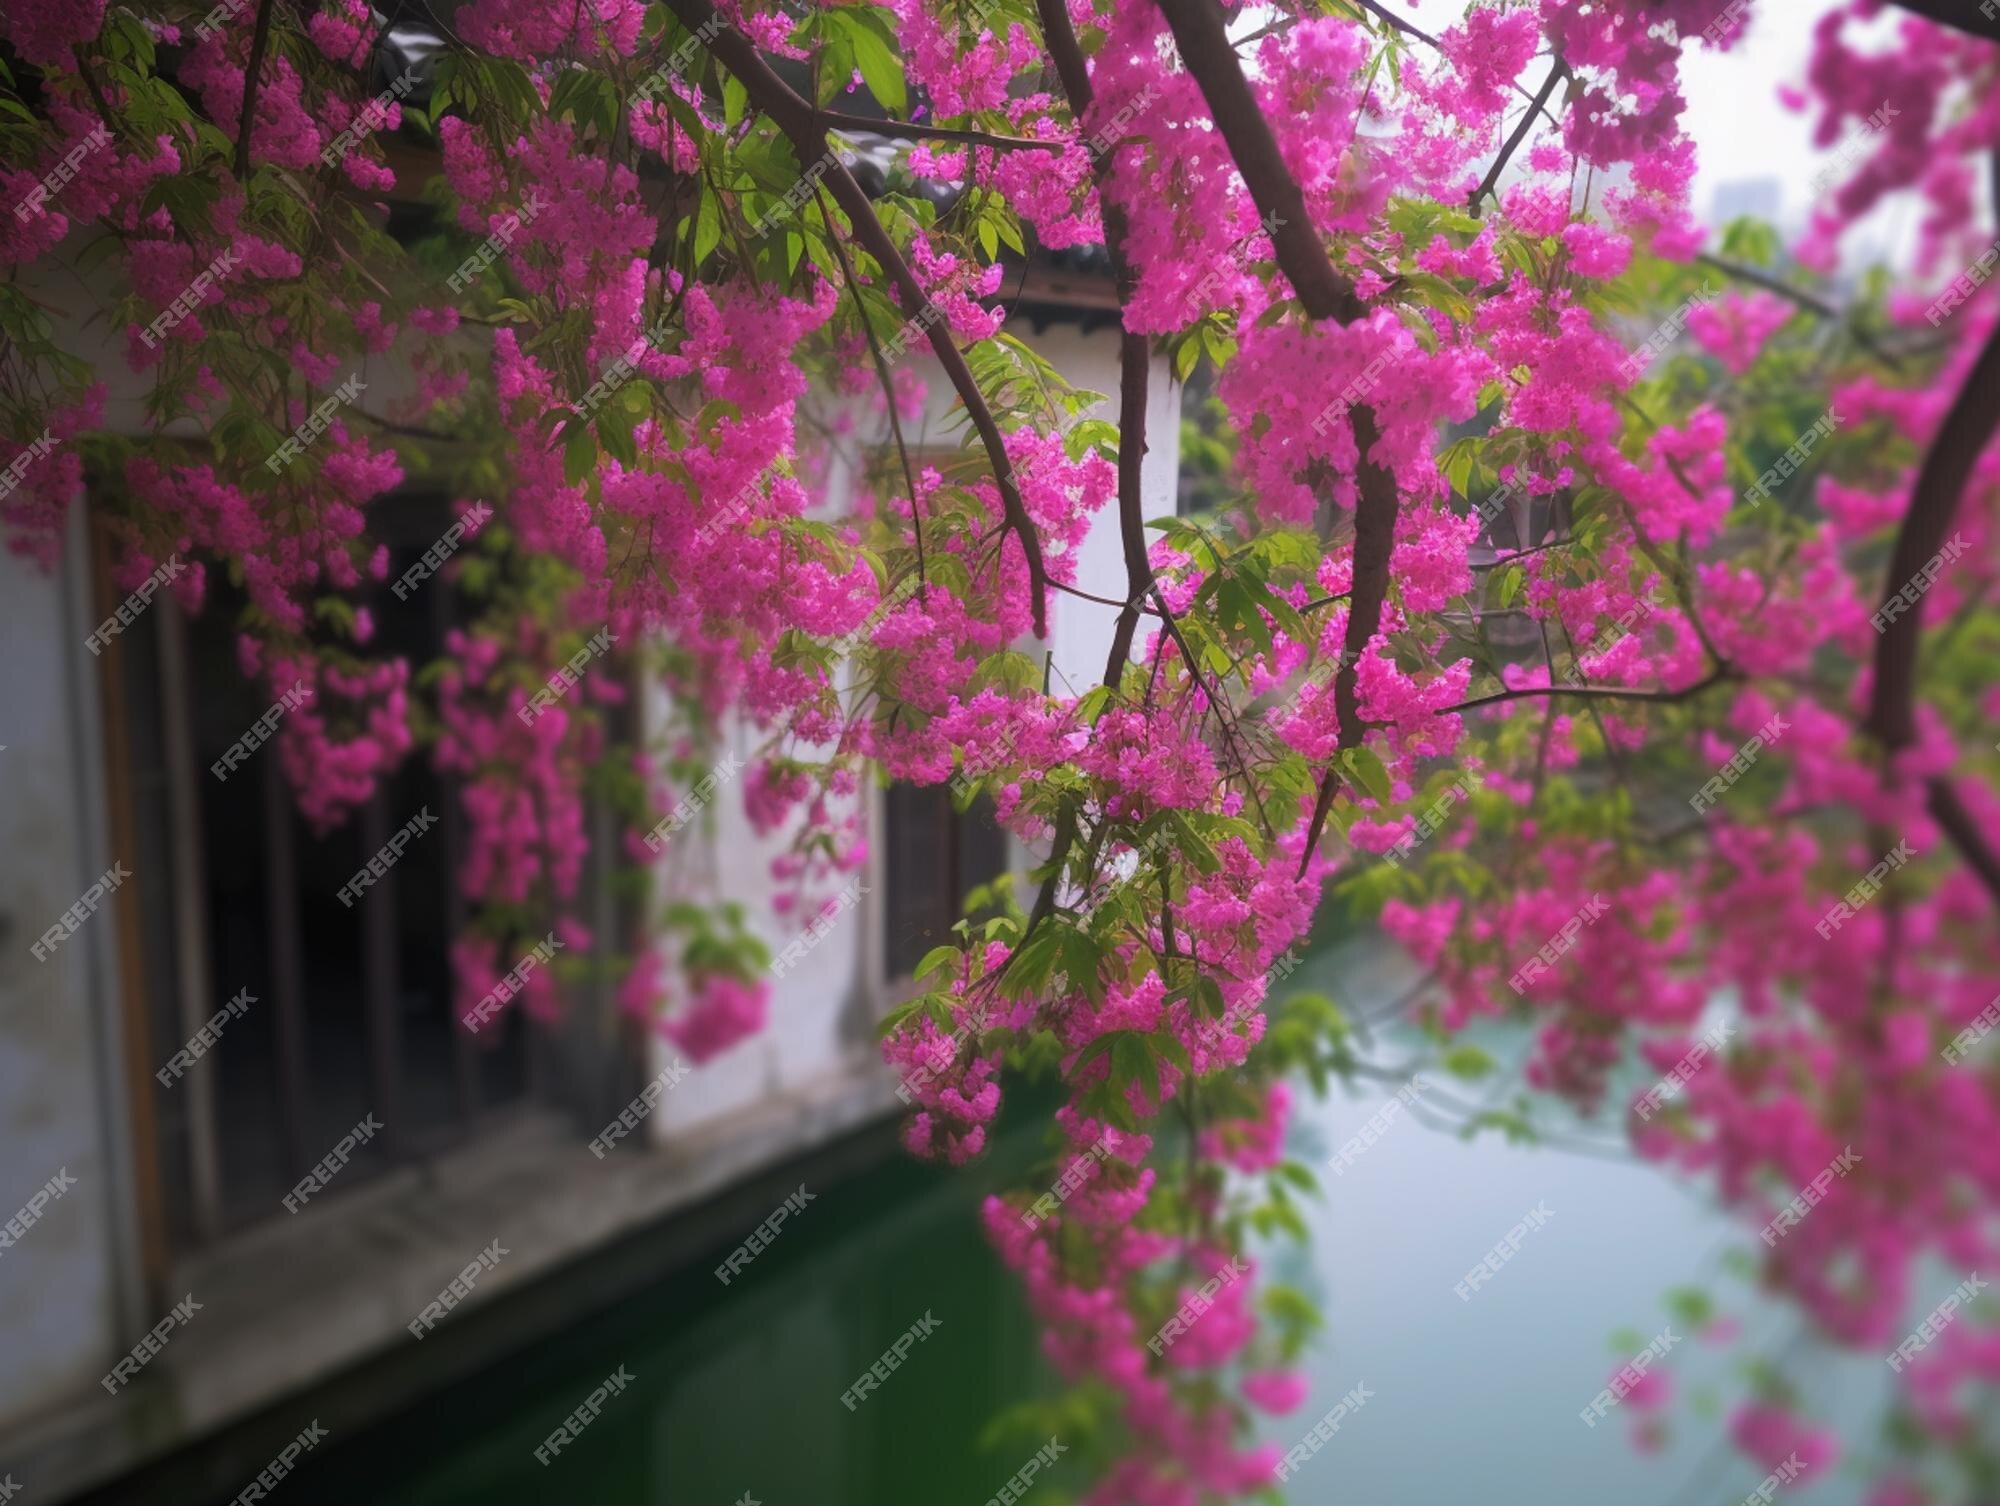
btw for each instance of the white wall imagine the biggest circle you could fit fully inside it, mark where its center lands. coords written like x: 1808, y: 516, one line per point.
x: 803, y: 1043
x: 61, y: 1287
x: 51, y: 1108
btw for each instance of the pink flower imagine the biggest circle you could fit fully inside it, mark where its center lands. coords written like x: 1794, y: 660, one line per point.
x: 1276, y: 1391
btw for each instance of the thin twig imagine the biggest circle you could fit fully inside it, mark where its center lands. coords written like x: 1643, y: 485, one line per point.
x: 1962, y: 831
x: 1417, y: 33
x: 1492, y: 178
x: 1203, y: 42
x: 910, y: 131
x: 1600, y: 692
x: 1811, y: 302
x: 888, y: 390
x: 803, y: 126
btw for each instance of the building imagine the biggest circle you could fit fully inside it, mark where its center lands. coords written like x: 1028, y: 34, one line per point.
x: 173, y: 1186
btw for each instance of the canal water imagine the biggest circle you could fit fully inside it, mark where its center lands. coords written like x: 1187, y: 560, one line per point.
x: 735, y: 1393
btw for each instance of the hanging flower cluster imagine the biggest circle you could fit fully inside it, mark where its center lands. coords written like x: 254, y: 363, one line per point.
x: 1596, y: 603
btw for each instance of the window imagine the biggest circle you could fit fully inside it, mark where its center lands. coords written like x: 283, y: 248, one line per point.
x: 353, y: 1011
x: 935, y: 857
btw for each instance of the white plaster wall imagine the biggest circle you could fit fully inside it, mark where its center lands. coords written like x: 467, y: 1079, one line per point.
x: 59, y: 1282
x: 802, y: 1043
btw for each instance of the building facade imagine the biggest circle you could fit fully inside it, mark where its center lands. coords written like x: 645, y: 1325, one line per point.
x: 218, y: 1025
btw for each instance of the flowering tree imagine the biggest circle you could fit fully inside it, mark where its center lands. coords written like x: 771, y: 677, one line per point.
x: 1713, y: 717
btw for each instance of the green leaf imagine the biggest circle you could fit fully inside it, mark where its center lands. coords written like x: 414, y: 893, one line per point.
x: 900, y: 1016
x: 1132, y: 1060
x: 875, y: 53
x: 1466, y: 1060
x: 579, y: 454
x: 614, y: 436
x: 881, y: 69
x: 1208, y: 997
x: 707, y: 227
x: 1298, y: 1176
x: 936, y: 958
x: 1104, y: 1043
x: 1368, y: 773
x: 1691, y: 1305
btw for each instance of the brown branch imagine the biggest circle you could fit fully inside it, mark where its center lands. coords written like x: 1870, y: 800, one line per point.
x: 1133, y: 370
x: 1417, y: 33
x: 803, y: 127
x: 1133, y: 379
x: 1102, y: 601
x: 1963, y: 832
x: 1374, y: 541
x: 96, y: 91
x: 1599, y: 692
x: 1075, y: 77
x: 1060, y: 38
x: 1203, y: 43
x: 1502, y: 561
x: 259, y: 41
x: 1408, y: 28
x: 1967, y: 429
x: 1204, y: 47
x: 888, y: 391
x: 1757, y: 277
x: 411, y: 431
x: 1961, y: 15
x: 1513, y: 142
x: 1676, y: 574
x: 1134, y: 354
x: 910, y: 131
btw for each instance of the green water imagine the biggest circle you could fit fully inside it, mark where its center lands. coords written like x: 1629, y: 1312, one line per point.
x: 737, y: 1390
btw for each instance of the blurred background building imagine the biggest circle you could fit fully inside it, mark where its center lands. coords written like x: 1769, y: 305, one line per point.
x: 179, y: 1183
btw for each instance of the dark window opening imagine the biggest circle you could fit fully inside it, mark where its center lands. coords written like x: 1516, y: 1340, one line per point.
x: 354, y: 1010
x: 935, y: 857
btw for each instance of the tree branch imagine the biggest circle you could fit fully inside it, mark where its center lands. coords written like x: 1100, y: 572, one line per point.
x: 1133, y: 370
x: 259, y: 41
x: 1417, y: 33
x: 1203, y: 41
x: 1598, y: 692
x: 1963, y: 832
x: 1960, y: 15
x: 1408, y: 28
x: 1102, y: 601
x: 1513, y: 142
x: 802, y: 126
x: 888, y: 394
x: 1374, y: 541
x: 910, y: 131
x: 1967, y: 429
x: 1758, y: 277
x: 1134, y: 354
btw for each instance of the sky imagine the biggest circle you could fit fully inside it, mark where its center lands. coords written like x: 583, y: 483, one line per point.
x: 1741, y: 130
x: 1739, y: 127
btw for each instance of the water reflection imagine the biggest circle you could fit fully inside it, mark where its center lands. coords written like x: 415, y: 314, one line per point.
x: 1476, y: 1400
x: 737, y: 1391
